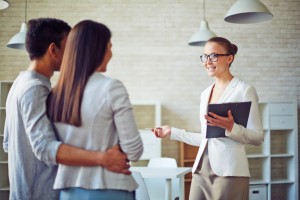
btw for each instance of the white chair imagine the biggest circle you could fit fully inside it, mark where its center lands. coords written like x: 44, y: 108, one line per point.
x: 141, y: 193
x: 162, y: 162
x: 156, y: 187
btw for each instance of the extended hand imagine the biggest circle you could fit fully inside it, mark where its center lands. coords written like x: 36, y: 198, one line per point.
x: 162, y: 132
x: 223, y: 122
x: 116, y: 160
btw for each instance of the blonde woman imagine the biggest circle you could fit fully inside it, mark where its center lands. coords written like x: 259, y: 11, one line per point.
x: 221, y: 168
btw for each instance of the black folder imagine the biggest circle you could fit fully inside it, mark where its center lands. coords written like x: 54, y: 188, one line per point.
x: 239, y: 110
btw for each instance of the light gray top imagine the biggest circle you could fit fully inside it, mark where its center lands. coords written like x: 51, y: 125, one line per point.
x: 29, y: 139
x: 107, y: 120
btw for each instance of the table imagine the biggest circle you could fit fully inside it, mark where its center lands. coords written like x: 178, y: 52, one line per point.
x: 165, y: 173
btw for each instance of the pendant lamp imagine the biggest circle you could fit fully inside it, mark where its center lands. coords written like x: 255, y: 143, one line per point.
x: 3, y: 4
x: 18, y: 40
x: 203, y: 34
x: 247, y: 12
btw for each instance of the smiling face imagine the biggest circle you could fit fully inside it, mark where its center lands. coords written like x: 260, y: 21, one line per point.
x: 220, y: 67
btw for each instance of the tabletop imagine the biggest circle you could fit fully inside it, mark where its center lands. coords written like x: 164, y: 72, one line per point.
x: 162, y: 172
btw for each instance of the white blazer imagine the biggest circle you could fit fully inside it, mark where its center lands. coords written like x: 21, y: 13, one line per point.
x: 227, y: 155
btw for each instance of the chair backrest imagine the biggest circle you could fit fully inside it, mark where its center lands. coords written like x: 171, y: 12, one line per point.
x: 141, y: 193
x: 156, y: 187
x: 162, y: 162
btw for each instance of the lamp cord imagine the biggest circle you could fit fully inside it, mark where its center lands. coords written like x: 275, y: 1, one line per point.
x: 204, y: 9
x: 25, y: 11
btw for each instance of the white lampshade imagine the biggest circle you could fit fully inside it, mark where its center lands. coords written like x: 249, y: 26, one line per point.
x: 18, y: 40
x: 247, y: 12
x: 3, y: 4
x: 202, y: 35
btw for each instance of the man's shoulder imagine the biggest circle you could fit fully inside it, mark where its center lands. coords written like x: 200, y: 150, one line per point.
x: 27, y: 81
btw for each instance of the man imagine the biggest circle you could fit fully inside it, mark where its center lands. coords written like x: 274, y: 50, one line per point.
x: 29, y: 138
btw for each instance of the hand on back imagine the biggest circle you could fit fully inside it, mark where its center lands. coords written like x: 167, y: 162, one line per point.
x: 116, y: 160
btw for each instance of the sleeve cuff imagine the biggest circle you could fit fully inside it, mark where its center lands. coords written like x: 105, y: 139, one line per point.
x: 175, y: 133
x: 53, y: 148
x: 234, y: 131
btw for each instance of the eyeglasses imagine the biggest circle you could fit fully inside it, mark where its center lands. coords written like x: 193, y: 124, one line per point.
x: 212, y: 57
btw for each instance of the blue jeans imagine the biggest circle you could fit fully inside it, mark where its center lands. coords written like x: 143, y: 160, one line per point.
x: 99, y: 194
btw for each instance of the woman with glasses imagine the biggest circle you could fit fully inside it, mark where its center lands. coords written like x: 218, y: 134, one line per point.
x: 221, y: 168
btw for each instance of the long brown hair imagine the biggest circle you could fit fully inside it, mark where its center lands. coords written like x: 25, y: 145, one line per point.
x: 85, y: 49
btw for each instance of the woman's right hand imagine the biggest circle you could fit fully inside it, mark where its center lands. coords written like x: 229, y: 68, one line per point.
x: 162, y: 132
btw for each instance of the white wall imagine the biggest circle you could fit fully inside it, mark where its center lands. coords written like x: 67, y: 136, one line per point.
x: 151, y: 55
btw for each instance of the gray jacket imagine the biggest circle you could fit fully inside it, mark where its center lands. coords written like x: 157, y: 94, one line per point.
x: 107, y: 120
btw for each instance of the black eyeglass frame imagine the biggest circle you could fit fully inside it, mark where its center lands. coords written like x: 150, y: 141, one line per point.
x: 216, y: 55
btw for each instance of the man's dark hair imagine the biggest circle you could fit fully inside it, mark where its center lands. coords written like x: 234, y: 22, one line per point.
x: 42, y: 32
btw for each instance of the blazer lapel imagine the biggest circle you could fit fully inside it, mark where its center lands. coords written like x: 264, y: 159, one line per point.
x: 229, y: 90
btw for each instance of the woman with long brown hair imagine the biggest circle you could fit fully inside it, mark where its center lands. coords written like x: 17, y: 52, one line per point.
x: 92, y: 111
